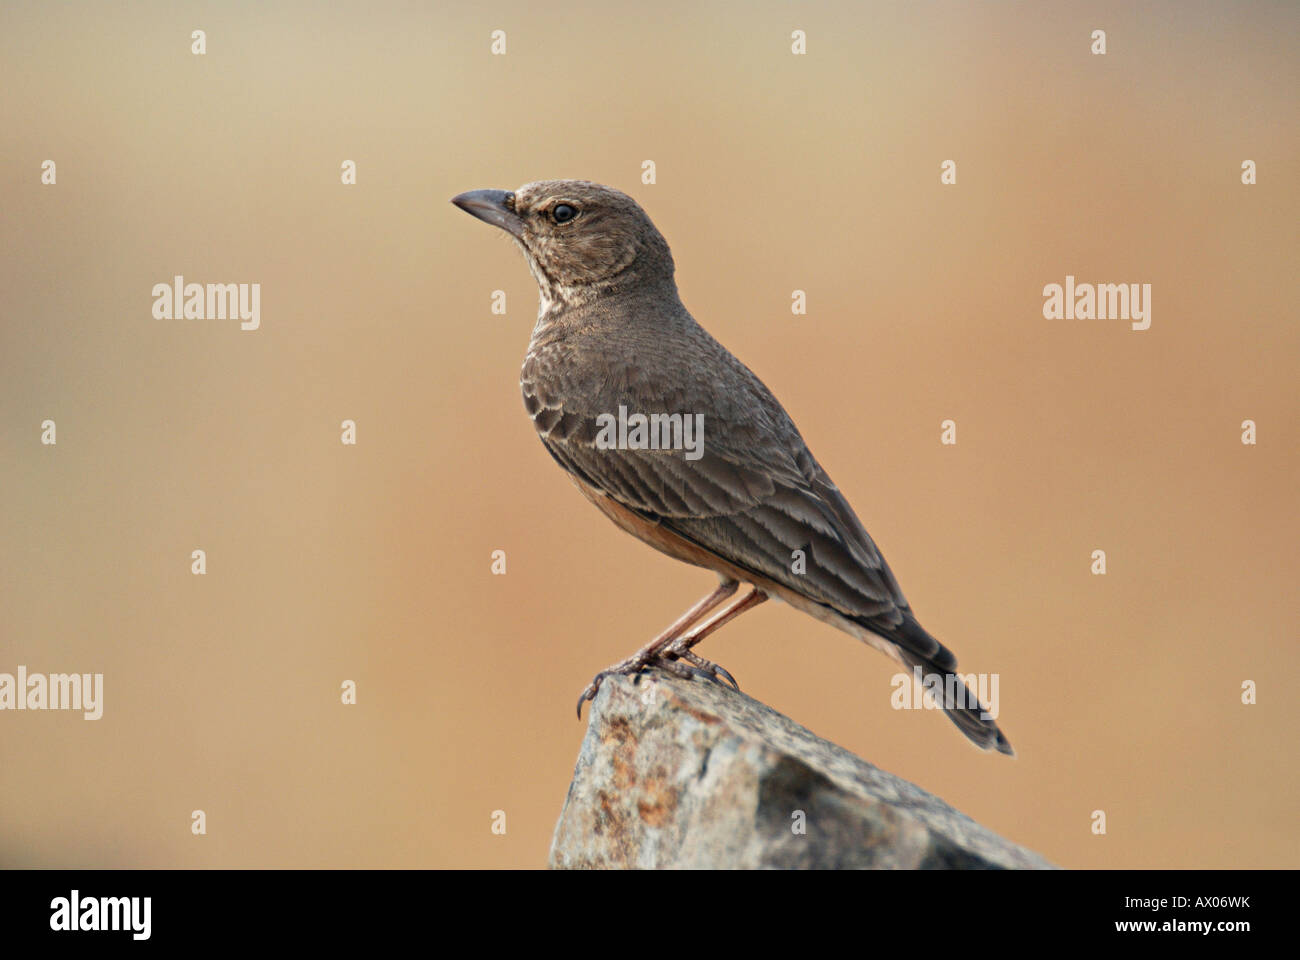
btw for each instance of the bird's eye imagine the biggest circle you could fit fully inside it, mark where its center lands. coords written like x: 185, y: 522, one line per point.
x: 564, y: 212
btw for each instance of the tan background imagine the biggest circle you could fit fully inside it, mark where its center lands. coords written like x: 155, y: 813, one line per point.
x: 775, y: 172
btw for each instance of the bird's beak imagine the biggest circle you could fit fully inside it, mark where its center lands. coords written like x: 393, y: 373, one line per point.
x: 496, y: 207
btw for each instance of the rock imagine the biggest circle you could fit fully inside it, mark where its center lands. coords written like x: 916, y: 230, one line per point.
x: 688, y: 774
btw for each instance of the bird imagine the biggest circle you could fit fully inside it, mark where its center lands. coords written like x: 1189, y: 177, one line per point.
x: 744, y: 497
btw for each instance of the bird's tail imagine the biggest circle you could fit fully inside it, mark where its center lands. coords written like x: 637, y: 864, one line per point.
x: 964, y: 709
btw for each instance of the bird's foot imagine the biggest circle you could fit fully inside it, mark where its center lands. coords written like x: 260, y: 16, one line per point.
x: 629, y: 667
x: 700, y: 667
x: 679, y: 662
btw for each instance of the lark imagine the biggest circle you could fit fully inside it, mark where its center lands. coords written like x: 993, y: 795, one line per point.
x: 752, y: 504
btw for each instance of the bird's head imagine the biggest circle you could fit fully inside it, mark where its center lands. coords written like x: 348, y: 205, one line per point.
x: 581, y: 239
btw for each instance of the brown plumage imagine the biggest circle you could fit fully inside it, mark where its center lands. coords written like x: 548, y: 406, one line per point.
x: 612, y: 332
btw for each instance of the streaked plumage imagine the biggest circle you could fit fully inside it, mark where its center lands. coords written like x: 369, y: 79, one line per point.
x: 613, y: 332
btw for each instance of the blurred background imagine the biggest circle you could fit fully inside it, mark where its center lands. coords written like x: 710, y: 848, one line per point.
x: 774, y: 172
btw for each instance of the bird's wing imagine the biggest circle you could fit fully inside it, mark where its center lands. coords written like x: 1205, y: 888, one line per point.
x: 754, y: 497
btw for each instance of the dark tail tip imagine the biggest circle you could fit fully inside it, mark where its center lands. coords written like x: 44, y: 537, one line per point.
x: 962, y: 706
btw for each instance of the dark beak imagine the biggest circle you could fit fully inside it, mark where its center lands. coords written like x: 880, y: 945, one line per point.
x: 496, y: 207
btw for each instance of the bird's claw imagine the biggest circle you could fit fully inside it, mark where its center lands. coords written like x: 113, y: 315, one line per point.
x: 670, y: 661
x: 592, y: 689
x: 708, y: 669
x: 723, y: 672
x: 628, y: 668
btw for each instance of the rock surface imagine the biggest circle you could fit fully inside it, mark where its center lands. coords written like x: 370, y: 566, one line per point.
x: 687, y: 774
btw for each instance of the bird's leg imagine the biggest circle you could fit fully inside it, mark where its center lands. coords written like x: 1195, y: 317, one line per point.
x: 681, y: 646
x: 652, y: 650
